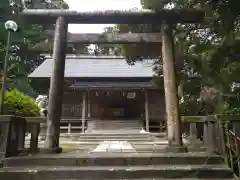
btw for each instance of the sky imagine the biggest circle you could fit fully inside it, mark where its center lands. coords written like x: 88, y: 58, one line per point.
x: 91, y: 5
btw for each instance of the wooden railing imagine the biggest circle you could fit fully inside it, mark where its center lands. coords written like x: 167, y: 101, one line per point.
x: 220, y: 134
x: 73, y: 125
x: 67, y: 125
x: 229, y: 130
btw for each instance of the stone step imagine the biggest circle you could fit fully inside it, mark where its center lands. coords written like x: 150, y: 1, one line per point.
x: 116, y: 172
x: 114, y: 139
x: 155, y: 179
x: 99, y: 125
x: 95, y: 143
x: 114, y: 125
x: 115, y: 159
x: 114, y: 134
x: 111, y: 137
x: 138, y: 148
x: 115, y: 122
x: 162, y: 148
x: 96, y: 125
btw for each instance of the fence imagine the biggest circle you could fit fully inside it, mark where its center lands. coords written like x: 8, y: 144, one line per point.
x: 220, y: 134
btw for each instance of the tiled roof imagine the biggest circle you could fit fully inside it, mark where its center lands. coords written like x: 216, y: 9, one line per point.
x: 96, y: 66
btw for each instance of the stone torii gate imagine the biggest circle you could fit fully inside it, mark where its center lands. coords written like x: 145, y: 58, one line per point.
x: 63, y: 17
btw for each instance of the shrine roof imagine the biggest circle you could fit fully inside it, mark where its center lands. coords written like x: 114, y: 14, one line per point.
x: 97, y: 66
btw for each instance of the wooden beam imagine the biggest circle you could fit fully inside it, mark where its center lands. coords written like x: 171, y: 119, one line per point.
x: 49, y: 16
x: 114, y: 38
x: 89, y: 105
x: 111, y: 38
x: 146, y: 110
x: 69, y: 126
x: 83, y: 112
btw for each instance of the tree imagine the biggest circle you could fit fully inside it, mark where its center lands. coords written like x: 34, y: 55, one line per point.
x: 23, y: 59
x: 209, y: 50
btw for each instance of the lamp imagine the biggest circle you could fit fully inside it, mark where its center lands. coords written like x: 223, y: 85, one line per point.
x: 10, y: 26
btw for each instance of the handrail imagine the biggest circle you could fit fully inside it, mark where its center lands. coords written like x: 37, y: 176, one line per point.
x: 229, y: 142
x: 220, y: 135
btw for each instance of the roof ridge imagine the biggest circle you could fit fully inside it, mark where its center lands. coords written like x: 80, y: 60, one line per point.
x: 74, y: 56
x: 105, y: 57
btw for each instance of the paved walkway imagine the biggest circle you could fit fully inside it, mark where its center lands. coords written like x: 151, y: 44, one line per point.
x: 114, y: 146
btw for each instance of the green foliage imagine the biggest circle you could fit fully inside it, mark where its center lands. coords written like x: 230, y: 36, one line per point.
x: 209, y: 51
x: 23, y: 59
x: 16, y: 103
x: 190, y: 107
x: 233, y: 103
x: 233, y: 111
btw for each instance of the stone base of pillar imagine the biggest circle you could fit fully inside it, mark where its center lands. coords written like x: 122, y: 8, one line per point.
x: 176, y: 149
x: 51, y: 150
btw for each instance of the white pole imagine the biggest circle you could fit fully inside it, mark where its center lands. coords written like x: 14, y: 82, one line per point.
x: 146, y: 111
x: 89, y: 105
x: 69, y: 127
x: 83, y: 111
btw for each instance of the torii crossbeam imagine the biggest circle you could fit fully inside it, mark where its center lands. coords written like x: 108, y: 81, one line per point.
x: 49, y: 16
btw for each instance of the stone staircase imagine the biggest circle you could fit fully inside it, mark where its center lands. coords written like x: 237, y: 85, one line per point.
x: 114, y: 136
x: 108, y: 166
x: 106, y: 126
x: 143, y: 142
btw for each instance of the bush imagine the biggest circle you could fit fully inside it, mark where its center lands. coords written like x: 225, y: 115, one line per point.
x: 18, y: 104
x: 190, y: 106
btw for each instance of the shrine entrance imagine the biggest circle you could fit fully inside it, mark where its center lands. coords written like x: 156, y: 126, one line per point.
x: 121, y: 105
x: 168, y: 18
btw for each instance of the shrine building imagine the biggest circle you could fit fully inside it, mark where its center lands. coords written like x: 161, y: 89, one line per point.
x: 106, y: 93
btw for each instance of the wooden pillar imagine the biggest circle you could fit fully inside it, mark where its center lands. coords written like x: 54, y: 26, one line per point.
x: 83, y: 111
x: 170, y: 85
x: 56, y: 85
x: 69, y: 126
x: 89, y: 104
x: 146, y: 110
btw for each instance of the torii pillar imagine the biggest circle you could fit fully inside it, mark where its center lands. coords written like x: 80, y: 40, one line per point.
x: 171, y: 97
x: 56, y: 86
